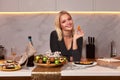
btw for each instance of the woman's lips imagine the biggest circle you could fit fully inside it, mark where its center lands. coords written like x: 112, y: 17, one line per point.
x: 69, y: 26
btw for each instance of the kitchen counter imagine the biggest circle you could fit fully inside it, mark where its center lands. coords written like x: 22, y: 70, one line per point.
x: 20, y: 73
x: 87, y: 71
x: 92, y: 71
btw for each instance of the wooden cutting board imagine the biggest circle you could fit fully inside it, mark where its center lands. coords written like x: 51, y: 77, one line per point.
x: 109, y: 62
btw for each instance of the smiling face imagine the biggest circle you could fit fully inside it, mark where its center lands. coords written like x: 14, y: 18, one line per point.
x: 66, y: 22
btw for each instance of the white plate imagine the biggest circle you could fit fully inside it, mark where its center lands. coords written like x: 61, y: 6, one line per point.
x: 81, y: 65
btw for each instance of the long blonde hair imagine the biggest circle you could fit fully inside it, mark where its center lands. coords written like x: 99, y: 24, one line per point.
x: 58, y: 26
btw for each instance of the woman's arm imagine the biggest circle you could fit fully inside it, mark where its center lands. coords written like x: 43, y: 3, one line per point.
x: 54, y: 42
x: 77, y: 44
x: 78, y: 51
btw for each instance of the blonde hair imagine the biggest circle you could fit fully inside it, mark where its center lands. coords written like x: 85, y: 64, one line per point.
x: 58, y: 26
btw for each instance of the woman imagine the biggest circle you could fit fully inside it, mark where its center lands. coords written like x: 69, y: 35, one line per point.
x: 65, y: 39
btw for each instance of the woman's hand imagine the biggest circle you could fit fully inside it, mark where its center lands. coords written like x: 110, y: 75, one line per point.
x: 78, y: 34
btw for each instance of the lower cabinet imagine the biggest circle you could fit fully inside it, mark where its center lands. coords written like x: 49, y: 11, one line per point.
x: 91, y: 78
x: 15, y: 78
x: 69, y: 78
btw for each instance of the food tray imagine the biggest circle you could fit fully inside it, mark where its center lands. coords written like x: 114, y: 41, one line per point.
x: 18, y: 67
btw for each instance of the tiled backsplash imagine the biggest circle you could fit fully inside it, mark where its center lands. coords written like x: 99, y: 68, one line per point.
x: 15, y: 29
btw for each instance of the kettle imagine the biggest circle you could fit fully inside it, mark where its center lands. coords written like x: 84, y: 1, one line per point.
x: 2, y: 52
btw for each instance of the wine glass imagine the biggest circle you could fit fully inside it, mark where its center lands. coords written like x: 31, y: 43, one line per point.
x: 13, y: 53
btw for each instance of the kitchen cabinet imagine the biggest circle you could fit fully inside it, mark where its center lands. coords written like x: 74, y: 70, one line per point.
x: 69, y: 78
x: 9, y: 5
x: 107, y: 5
x: 58, y: 5
x: 27, y: 5
x: 75, y: 5
x: 37, y: 5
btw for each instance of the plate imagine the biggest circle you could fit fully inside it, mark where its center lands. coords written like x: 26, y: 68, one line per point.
x: 49, y: 65
x: 86, y: 65
x: 18, y: 67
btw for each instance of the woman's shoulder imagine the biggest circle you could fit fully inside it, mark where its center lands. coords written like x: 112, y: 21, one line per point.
x: 54, y: 33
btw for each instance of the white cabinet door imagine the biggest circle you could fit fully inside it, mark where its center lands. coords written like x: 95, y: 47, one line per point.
x: 37, y: 5
x: 107, y: 5
x: 9, y: 5
x: 75, y: 5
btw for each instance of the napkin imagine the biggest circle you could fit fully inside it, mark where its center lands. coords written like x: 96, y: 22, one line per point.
x: 29, y: 51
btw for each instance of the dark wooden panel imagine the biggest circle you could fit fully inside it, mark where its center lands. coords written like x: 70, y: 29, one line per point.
x: 91, y: 78
x: 69, y: 78
x: 15, y: 78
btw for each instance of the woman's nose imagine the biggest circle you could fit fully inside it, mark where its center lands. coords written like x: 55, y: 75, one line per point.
x: 68, y: 22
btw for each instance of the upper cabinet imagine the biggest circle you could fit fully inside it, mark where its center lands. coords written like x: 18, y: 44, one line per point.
x: 75, y: 5
x: 107, y: 5
x: 58, y: 5
x: 37, y: 5
x: 9, y: 5
x: 27, y: 5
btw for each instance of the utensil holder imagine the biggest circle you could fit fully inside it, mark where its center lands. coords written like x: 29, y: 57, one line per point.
x: 90, y: 51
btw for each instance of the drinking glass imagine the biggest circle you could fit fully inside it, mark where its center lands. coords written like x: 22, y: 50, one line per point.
x: 13, y: 53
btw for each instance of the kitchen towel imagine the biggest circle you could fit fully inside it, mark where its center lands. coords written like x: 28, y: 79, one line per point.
x: 30, y: 50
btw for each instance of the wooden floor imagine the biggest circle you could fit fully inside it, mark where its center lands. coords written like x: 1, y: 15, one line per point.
x: 69, y: 78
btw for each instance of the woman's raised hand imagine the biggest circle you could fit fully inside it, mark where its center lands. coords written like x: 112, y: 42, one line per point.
x: 78, y: 33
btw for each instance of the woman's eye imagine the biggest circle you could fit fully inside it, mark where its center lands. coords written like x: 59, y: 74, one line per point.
x: 63, y: 21
x: 69, y: 18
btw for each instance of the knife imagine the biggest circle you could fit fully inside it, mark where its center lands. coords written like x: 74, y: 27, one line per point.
x: 93, y: 40
x: 89, y: 40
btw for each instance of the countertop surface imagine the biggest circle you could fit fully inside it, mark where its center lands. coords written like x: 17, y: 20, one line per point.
x: 69, y: 70
x: 94, y: 70
x: 23, y: 72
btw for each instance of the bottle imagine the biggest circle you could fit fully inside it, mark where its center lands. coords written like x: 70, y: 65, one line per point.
x: 31, y: 58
